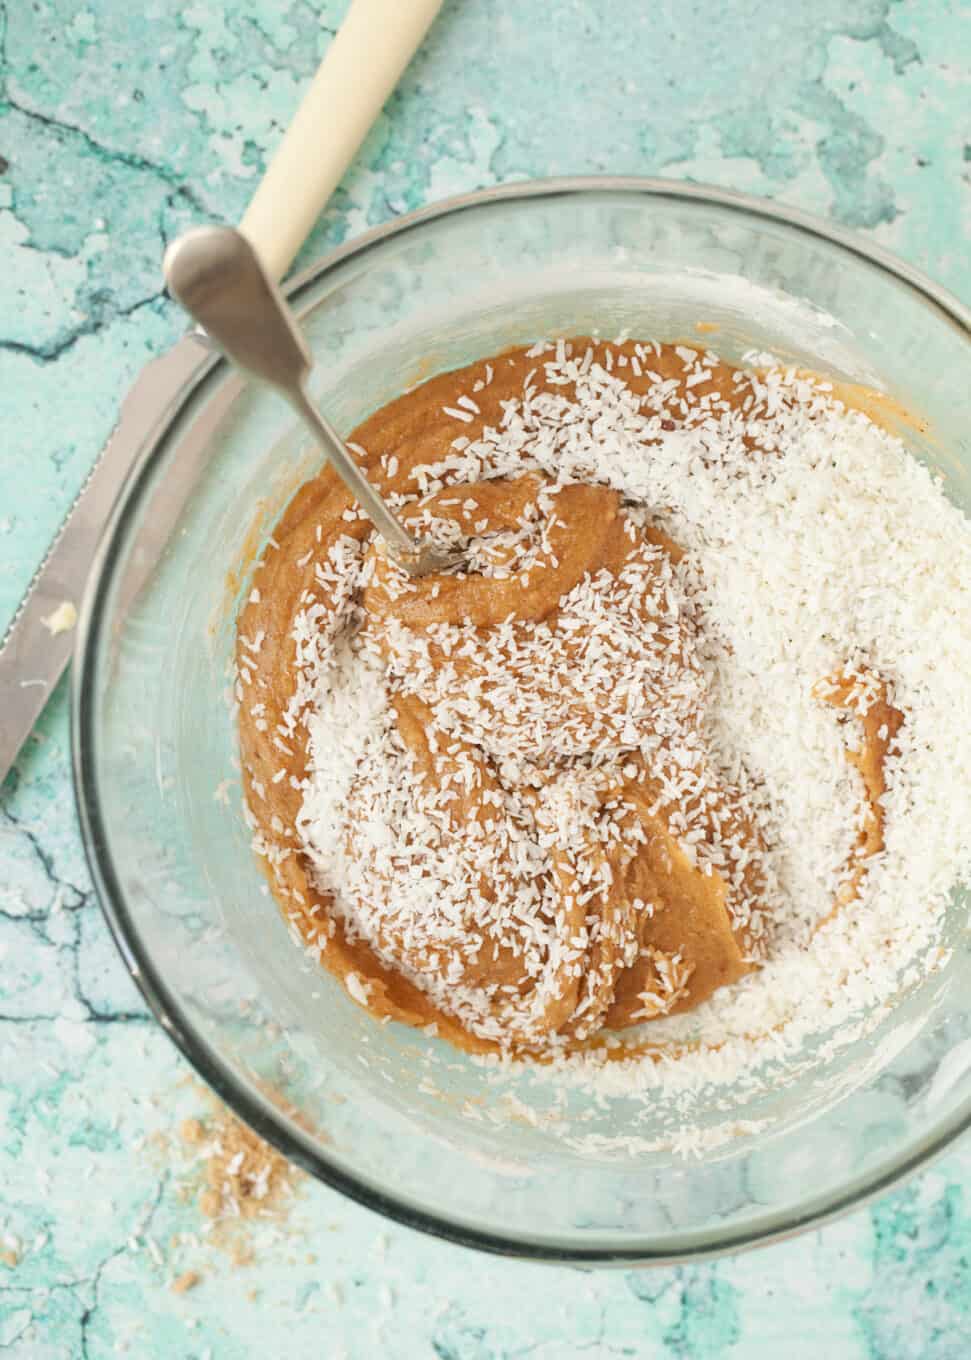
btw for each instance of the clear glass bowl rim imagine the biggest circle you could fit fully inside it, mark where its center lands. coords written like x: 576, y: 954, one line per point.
x: 160, y: 998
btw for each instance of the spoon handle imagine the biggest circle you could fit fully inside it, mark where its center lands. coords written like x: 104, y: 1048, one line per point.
x: 402, y: 546
x: 215, y: 273
x: 374, y: 44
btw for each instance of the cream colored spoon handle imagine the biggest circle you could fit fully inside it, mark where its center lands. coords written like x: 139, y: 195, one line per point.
x: 363, y: 64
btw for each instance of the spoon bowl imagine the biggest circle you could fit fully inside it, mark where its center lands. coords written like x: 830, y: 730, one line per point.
x: 216, y: 274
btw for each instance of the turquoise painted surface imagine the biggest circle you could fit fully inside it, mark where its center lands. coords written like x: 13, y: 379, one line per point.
x: 120, y: 124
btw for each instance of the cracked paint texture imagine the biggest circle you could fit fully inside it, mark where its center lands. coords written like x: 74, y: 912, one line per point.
x: 119, y: 125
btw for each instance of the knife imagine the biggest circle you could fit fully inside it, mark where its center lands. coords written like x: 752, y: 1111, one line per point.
x: 360, y: 69
x: 38, y: 644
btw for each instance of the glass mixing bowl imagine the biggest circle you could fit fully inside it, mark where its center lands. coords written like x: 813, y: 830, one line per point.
x: 396, y: 1119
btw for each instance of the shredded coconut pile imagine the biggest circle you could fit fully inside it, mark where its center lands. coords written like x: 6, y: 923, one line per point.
x: 828, y: 550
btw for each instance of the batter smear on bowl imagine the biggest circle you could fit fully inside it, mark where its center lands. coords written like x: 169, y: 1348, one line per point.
x: 651, y: 745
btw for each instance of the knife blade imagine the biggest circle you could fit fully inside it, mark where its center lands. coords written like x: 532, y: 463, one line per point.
x: 38, y: 643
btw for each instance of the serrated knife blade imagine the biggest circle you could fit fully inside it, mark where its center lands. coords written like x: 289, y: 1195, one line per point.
x: 32, y: 653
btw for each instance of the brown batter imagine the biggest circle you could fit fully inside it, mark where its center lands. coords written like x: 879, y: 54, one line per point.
x: 569, y: 642
x: 863, y: 702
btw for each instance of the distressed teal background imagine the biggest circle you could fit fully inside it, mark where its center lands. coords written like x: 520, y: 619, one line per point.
x: 121, y: 123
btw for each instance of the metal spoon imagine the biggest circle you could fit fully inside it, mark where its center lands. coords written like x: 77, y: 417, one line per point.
x: 215, y: 274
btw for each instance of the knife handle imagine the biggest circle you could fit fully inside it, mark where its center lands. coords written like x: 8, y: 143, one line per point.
x: 362, y: 66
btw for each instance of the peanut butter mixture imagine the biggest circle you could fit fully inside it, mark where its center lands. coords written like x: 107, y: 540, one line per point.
x: 487, y: 799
